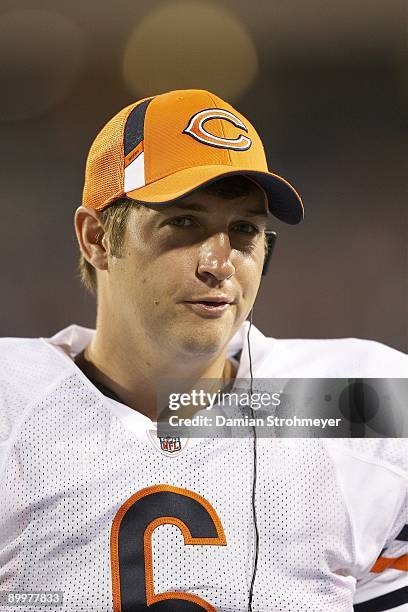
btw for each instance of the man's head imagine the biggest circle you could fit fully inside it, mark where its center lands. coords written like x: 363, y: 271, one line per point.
x: 157, y: 265
x: 197, y: 168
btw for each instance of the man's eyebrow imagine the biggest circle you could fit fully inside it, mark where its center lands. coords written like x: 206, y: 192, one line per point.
x: 201, y: 208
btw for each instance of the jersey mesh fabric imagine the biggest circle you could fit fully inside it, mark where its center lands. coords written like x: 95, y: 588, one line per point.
x: 71, y: 469
x: 36, y: 368
x: 74, y: 465
x: 391, y: 451
x: 71, y: 464
x: 310, y: 510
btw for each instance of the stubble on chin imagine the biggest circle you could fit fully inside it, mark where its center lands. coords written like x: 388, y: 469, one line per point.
x: 199, y: 341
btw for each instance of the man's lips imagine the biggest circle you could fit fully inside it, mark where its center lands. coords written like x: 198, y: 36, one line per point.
x: 210, y: 306
x: 211, y: 300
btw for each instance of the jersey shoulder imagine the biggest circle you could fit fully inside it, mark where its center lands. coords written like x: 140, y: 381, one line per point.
x: 337, y: 358
x: 28, y: 368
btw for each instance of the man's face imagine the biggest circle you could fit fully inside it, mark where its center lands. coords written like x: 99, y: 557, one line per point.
x: 190, y: 271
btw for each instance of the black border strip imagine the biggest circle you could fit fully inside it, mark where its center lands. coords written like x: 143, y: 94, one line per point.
x: 134, y: 128
x: 384, y: 602
x: 403, y: 534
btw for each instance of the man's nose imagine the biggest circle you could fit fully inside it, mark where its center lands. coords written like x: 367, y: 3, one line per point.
x: 215, y: 257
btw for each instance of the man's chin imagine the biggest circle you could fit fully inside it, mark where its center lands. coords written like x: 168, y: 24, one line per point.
x: 207, y: 339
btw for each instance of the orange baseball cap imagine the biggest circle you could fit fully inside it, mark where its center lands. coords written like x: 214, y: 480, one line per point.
x: 161, y: 148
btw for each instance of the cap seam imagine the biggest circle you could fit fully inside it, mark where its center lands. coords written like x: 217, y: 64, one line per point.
x: 162, y: 176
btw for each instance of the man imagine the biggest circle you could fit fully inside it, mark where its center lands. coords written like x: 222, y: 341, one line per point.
x: 176, y: 203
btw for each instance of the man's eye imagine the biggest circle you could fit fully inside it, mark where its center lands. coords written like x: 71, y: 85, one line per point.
x: 181, y: 222
x: 246, y: 228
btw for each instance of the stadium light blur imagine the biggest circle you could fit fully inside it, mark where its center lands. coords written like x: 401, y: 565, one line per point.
x: 188, y: 45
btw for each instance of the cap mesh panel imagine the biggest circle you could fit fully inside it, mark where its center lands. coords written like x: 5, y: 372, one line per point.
x: 104, y: 174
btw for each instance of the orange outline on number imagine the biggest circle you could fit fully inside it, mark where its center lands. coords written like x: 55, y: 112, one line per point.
x: 151, y: 596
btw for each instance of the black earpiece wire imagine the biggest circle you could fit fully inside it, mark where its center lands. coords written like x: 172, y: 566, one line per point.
x: 271, y: 240
x: 256, y: 532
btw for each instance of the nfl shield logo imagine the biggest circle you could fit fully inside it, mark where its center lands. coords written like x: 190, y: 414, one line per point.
x: 170, y: 445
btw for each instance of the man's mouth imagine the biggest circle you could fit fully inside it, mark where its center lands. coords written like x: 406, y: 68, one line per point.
x: 208, y: 303
x: 212, y: 300
x: 209, y: 306
x: 212, y: 304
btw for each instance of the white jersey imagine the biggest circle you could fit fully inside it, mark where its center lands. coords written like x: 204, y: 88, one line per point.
x: 93, y: 507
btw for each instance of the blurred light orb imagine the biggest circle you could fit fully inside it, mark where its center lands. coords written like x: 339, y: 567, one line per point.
x: 40, y: 55
x: 185, y: 45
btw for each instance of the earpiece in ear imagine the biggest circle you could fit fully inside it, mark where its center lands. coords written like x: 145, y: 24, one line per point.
x: 271, y: 240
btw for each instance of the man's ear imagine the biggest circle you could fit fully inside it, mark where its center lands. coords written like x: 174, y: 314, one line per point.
x: 91, y: 237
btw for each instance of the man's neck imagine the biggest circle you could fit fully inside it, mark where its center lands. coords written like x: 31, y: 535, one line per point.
x: 136, y: 382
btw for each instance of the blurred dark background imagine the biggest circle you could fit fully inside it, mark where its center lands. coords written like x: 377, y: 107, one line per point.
x: 325, y: 83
